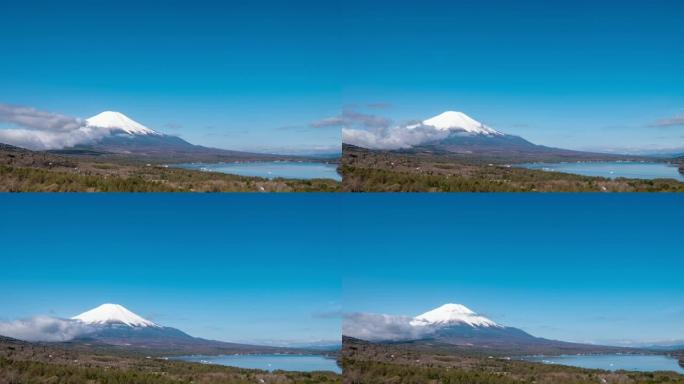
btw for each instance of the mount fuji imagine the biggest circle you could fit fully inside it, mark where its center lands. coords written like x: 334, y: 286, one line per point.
x: 114, y: 325
x: 457, y: 326
x: 116, y: 121
x: 458, y: 134
x: 118, y: 135
x: 452, y: 314
x: 453, y: 121
x: 112, y: 314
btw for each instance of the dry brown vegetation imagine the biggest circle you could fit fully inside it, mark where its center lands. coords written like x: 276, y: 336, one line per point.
x: 384, y: 171
x: 25, y: 363
x: 383, y: 363
x: 30, y: 171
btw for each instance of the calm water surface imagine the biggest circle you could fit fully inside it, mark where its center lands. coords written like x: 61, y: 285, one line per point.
x: 302, y: 363
x: 613, y: 169
x: 646, y: 363
x: 271, y: 169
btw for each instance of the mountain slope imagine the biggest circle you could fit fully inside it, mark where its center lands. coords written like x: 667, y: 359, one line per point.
x: 458, y: 122
x: 42, y: 363
x: 456, y: 326
x: 107, y: 314
x: 467, y: 137
x: 452, y: 314
x: 114, y: 325
x: 122, y: 136
x: 434, y: 363
x: 111, y: 120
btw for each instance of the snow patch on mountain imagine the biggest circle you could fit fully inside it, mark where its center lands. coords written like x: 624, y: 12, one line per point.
x: 44, y: 328
x: 433, y: 129
x: 112, y: 121
x: 452, y: 120
x: 452, y: 314
x: 107, y: 314
x: 36, y: 129
x: 370, y: 326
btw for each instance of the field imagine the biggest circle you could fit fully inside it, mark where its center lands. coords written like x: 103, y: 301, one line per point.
x: 384, y: 171
x: 29, y: 171
x: 385, y: 363
x: 25, y: 363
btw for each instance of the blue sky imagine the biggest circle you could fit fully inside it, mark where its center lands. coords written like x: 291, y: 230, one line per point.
x: 255, y: 74
x: 576, y: 74
x: 590, y: 268
x: 239, y: 74
x: 250, y: 268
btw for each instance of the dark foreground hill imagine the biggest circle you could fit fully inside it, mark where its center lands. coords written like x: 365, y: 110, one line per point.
x: 22, y: 170
x: 365, y: 362
x: 22, y: 362
x: 365, y: 170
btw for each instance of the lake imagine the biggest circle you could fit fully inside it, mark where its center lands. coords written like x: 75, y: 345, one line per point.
x: 647, y: 363
x: 271, y: 169
x: 270, y: 362
x: 613, y: 169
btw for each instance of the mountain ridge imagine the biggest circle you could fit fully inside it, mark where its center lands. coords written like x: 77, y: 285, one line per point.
x: 469, y: 136
x: 115, y: 326
x: 456, y: 326
x: 457, y: 121
x: 112, y: 120
x: 455, y: 134
x: 122, y: 137
x: 451, y: 313
x: 109, y: 313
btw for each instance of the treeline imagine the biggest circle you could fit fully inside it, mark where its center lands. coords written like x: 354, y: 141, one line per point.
x: 37, y: 372
x: 366, y: 372
x: 148, y: 179
x: 19, y: 179
x: 381, y: 180
x: 31, y: 372
x: 373, y: 372
x: 370, y: 179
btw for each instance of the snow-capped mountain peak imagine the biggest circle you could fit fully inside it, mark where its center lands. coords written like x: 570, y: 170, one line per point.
x: 459, y: 121
x: 107, y: 314
x: 452, y: 314
x: 118, y: 121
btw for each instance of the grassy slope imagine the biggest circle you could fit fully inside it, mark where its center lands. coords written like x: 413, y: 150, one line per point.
x: 378, y: 364
x: 381, y: 171
x: 29, y: 363
x: 28, y: 171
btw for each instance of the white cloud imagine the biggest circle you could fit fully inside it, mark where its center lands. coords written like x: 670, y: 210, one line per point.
x: 44, y: 328
x: 377, y: 327
x: 40, y: 130
x: 670, y: 122
x: 32, y: 118
x: 43, y: 140
x: 350, y: 118
x: 377, y: 132
x: 392, y: 137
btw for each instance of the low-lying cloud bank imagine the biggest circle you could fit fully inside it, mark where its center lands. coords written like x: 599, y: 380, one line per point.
x: 351, y: 118
x: 377, y: 327
x: 377, y: 132
x: 44, y: 328
x: 670, y: 122
x: 40, y: 130
x: 392, y: 137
